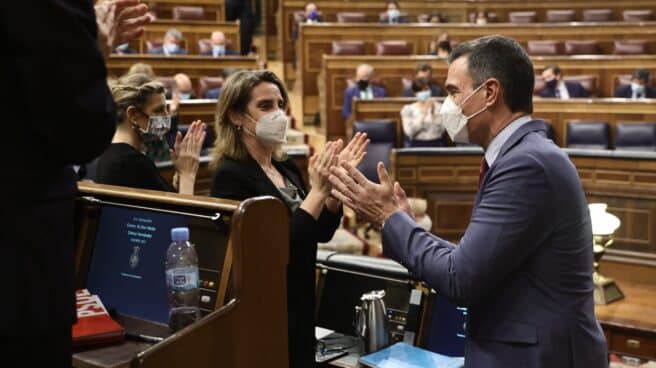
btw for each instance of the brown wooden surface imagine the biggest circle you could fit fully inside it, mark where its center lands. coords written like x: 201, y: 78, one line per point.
x: 336, y: 70
x: 456, y: 11
x: 227, y: 336
x: 192, y: 31
x: 449, y: 183
x: 193, y: 65
x: 214, y: 9
x: 555, y: 111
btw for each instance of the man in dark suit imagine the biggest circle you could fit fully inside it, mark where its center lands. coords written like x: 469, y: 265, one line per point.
x: 424, y: 71
x: 53, y: 43
x: 171, y: 45
x: 242, y: 10
x: 219, y: 47
x: 556, y: 87
x: 524, y: 265
x: 639, y: 87
x: 363, y: 89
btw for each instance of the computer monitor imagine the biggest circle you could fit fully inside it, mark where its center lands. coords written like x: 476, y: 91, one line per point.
x: 126, y: 267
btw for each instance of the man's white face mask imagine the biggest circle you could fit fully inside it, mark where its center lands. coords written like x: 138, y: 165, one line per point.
x: 455, y: 121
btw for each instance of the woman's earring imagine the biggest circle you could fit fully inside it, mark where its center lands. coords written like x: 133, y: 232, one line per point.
x: 238, y: 128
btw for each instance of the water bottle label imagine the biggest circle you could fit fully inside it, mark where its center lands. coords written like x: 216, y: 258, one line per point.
x: 182, y: 279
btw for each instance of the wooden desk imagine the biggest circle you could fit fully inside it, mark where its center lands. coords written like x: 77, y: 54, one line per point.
x: 336, y: 70
x: 557, y: 112
x: 456, y: 11
x: 193, y: 65
x: 214, y: 9
x: 630, y: 324
x: 192, y: 32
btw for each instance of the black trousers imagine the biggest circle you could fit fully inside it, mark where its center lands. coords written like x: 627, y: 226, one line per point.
x: 242, y: 10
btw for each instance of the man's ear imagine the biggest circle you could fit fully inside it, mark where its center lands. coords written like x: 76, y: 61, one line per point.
x: 492, y: 92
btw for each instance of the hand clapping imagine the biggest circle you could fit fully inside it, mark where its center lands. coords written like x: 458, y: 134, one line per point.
x: 186, y: 151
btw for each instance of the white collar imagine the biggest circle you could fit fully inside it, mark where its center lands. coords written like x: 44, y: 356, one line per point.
x: 494, y: 148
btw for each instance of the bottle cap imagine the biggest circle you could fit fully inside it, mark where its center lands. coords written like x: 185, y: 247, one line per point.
x: 180, y: 234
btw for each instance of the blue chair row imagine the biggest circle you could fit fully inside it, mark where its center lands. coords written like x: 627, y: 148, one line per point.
x: 596, y: 135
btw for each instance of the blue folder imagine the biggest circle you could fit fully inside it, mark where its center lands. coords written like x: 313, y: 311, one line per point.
x: 402, y: 355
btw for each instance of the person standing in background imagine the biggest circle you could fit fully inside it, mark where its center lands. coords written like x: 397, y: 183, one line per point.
x: 54, y: 44
x: 242, y: 10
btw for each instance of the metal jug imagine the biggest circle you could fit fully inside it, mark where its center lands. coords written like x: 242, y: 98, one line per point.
x: 371, y: 321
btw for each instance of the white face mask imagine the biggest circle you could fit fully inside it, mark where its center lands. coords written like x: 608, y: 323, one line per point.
x: 271, y: 129
x: 637, y: 88
x: 218, y: 50
x: 423, y: 96
x: 455, y: 121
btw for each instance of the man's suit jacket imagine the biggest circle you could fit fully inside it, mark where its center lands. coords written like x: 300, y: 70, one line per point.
x: 354, y: 92
x: 240, y: 180
x: 575, y: 90
x: 436, y: 91
x: 626, y: 92
x: 37, y: 240
x: 524, y: 265
x: 228, y: 52
x: 213, y: 93
x: 160, y: 51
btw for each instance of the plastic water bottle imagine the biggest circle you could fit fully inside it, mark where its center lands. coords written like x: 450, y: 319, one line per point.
x: 182, y: 280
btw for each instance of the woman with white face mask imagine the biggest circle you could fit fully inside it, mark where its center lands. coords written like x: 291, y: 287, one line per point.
x: 250, y: 127
x: 142, y: 116
x: 422, y: 125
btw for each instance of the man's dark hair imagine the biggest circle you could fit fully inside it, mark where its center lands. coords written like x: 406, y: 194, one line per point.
x: 423, y: 67
x: 504, y: 59
x: 641, y: 74
x: 444, y: 45
x: 554, y: 69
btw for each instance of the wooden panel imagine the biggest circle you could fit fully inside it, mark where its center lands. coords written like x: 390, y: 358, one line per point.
x: 315, y: 39
x: 192, y: 65
x: 214, y: 9
x: 450, y: 198
x: 192, y: 31
x: 557, y: 112
x: 455, y: 11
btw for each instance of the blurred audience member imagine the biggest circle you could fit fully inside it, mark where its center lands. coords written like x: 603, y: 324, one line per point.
x: 425, y: 72
x: 183, y: 87
x: 421, y: 119
x: 214, y: 93
x: 639, y: 87
x: 312, y: 13
x: 436, y: 17
x: 393, y: 13
x: 142, y: 68
x: 219, y: 46
x: 124, y: 49
x: 481, y: 18
x: 556, y: 87
x: 172, y: 44
x: 243, y: 11
x: 363, y: 89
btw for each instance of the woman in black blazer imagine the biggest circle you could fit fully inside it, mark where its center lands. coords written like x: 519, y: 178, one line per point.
x: 250, y: 126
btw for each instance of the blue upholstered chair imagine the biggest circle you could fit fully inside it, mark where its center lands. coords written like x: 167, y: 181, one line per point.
x: 382, y: 136
x: 588, y: 134
x: 636, y: 136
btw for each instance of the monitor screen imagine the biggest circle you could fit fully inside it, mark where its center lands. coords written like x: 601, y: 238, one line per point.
x: 127, y: 266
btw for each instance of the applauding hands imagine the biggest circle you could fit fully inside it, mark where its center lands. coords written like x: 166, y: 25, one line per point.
x: 186, y: 155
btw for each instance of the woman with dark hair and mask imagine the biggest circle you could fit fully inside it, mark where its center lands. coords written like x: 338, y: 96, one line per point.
x: 250, y: 127
x: 142, y: 115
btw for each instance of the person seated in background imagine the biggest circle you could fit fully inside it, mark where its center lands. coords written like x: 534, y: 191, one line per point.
x: 424, y: 71
x: 183, y: 87
x: 214, y: 93
x: 312, y: 13
x: 393, y: 13
x: 363, y: 89
x: 436, y: 17
x: 141, y: 114
x: 171, y: 45
x: 142, y: 68
x: 481, y: 18
x: 421, y: 120
x: 556, y: 87
x: 440, y: 46
x: 219, y: 48
x: 639, y: 87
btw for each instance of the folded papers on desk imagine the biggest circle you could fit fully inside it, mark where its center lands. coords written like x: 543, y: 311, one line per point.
x: 403, y: 355
x: 94, y: 325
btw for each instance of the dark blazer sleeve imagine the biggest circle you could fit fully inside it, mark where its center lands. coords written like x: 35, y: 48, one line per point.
x: 57, y: 51
x: 505, y: 228
x: 140, y: 172
x: 229, y: 182
x: 651, y: 92
x: 548, y: 92
x: 623, y: 92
